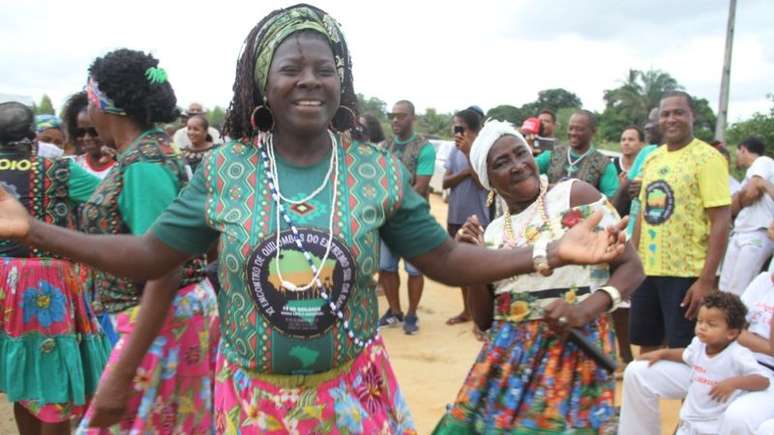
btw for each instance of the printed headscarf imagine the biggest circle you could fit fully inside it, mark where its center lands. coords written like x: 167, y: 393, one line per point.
x: 286, y: 23
x: 486, y: 138
x: 45, y: 121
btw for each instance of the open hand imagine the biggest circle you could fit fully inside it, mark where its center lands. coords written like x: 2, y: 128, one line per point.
x: 471, y: 232
x: 14, y: 219
x: 111, y: 400
x: 722, y: 391
x: 583, y: 244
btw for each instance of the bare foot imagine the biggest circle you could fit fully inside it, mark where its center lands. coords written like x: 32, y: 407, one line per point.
x: 459, y: 318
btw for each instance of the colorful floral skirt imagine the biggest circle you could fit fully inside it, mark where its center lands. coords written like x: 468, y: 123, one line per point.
x: 52, y: 350
x: 173, y: 385
x: 361, y: 397
x: 526, y: 380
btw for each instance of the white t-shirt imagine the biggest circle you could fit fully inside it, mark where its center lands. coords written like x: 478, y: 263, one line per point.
x: 758, y: 215
x: 758, y: 297
x: 702, y: 411
x: 182, y: 141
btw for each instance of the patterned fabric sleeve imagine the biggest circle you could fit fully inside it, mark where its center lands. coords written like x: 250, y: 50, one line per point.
x: 411, y: 230
x: 182, y: 226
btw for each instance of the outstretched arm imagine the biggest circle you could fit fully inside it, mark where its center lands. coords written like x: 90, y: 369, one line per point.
x: 136, y: 257
x: 458, y: 264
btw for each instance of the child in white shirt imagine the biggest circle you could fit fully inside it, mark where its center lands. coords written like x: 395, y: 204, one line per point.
x: 721, y: 369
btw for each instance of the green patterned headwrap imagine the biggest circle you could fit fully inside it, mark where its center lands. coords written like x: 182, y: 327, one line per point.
x: 286, y: 23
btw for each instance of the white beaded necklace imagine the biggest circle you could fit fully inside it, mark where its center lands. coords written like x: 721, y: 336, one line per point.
x: 267, y: 165
x: 278, y: 198
x: 572, y: 163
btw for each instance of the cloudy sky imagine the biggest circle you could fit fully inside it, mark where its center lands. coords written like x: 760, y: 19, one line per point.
x: 440, y: 54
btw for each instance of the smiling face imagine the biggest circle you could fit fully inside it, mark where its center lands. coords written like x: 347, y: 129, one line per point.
x: 303, y: 88
x: 512, y: 170
x: 87, y: 139
x: 580, y: 131
x: 196, y: 131
x: 675, y: 120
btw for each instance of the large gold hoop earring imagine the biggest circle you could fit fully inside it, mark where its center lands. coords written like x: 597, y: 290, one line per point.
x: 344, y: 120
x: 262, y: 119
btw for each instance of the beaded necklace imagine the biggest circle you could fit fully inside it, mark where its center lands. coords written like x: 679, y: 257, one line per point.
x: 267, y: 165
x: 274, y: 178
x: 540, y: 207
x: 572, y: 164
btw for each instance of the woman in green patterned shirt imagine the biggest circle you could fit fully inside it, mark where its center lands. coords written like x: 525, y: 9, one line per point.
x: 299, y: 208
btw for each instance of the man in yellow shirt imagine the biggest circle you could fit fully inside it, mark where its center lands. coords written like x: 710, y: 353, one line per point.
x: 682, y: 229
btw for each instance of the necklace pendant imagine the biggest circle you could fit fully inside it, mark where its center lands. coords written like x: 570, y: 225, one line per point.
x: 570, y: 169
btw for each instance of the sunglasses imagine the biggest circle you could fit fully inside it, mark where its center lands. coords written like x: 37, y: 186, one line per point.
x: 81, y: 132
x: 398, y: 116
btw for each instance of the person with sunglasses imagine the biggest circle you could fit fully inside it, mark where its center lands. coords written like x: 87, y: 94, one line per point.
x: 92, y: 154
x: 418, y: 156
x: 47, y: 326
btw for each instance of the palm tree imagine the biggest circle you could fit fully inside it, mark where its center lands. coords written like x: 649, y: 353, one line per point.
x: 640, y: 92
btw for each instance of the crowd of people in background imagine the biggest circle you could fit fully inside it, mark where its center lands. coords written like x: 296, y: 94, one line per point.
x: 132, y: 323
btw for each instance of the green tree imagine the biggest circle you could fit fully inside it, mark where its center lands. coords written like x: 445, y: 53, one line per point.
x: 632, y: 100
x: 760, y: 125
x: 506, y: 112
x: 704, y: 120
x: 373, y: 105
x: 216, y: 117
x: 45, y: 106
x: 554, y: 100
x: 434, y: 124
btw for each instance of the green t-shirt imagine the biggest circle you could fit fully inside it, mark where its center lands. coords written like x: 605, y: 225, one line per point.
x: 425, y: 158
x: 81, y: 183
x: 266, y: 326
x: 148, y: 190
x: 608, y: 183
x: 634, y: 172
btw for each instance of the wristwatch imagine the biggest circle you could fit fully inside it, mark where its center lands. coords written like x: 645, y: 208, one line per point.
x: 615, y: 296
x: 540, y: 258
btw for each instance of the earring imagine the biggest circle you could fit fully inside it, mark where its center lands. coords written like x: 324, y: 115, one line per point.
x: 262, y: 119
x: 344, y: 120
x: 490, y: 198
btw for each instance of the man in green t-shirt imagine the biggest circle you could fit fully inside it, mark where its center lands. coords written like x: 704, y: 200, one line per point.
x: 418, y: 156
x: 580, y: 159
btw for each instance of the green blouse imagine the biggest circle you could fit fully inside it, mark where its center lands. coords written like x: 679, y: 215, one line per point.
x: 264, y: 326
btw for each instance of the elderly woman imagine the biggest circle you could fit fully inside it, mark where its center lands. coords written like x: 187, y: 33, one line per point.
x: 299, y: 209
x: 527, y: 377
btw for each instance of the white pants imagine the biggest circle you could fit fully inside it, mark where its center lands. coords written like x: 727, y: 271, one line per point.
x: 745, y: 256
x: 767, y: 428
x: 644, y: 386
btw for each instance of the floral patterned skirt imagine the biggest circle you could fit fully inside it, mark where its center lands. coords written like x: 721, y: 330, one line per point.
x: 361, y: 397
x: 527, y: 380
x: 173, y: 385
x: 52, y: 350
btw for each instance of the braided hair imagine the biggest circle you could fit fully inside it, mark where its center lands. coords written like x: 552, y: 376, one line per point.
x: 121, y: 75
x: 248, y: 95
x: 76, y: 104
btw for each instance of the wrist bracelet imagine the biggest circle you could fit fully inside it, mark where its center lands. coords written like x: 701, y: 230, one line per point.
x: 615, y: 296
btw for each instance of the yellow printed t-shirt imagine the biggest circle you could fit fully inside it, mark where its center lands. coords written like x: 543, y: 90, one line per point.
x: 677, y: 187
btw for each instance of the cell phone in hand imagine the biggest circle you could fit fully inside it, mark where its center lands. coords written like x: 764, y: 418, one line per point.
x: 458, y: 129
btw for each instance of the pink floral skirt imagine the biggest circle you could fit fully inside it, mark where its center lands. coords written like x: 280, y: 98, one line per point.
x: 361, y: 397
x: 52, y: 350
x: 173, y: 386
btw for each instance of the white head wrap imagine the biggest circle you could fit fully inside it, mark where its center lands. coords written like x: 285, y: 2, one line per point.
x: 488, y: 135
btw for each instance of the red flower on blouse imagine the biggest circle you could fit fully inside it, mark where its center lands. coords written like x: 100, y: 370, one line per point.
x: 572, y: 218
